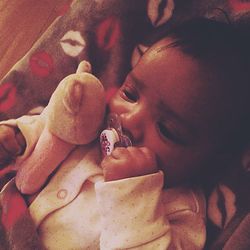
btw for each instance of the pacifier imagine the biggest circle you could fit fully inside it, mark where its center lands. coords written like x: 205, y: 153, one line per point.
x: 113, y: 136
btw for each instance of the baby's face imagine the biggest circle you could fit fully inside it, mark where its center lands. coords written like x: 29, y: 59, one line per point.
x: 166, y: 105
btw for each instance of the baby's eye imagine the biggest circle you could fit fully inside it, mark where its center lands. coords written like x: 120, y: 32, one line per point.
x: 166, y: 133
x: 130, y: 94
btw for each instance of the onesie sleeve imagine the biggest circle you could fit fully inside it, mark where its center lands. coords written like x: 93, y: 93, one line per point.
x: 134, y: 215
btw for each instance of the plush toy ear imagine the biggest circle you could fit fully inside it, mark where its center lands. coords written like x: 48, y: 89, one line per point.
x: 84, y: 66
x: 76, y: 109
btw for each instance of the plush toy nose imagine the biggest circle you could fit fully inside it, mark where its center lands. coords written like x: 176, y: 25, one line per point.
x: 84, y: 66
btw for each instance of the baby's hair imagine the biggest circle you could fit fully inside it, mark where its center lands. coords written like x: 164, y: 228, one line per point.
x: 209, y: 40
x: 223, y: 49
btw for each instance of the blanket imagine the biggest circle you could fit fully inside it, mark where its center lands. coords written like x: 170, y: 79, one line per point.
x: 106, y: 33
x: 112, y: 35
x: 17, y: 230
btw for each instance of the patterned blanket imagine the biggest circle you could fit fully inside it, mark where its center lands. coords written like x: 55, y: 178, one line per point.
x: 112, y: 35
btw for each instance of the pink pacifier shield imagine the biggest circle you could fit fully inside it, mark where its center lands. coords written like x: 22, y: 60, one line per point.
x: 108, y: 139
x: 113, y: 135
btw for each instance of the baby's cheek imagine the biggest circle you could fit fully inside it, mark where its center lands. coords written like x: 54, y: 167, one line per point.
x: 110, y: 93
x: 173, y: 165
x: 117, y: 105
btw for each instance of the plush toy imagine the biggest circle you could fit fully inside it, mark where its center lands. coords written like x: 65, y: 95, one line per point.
x: 73, y: 116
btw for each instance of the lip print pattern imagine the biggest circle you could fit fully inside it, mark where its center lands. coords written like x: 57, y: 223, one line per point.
x: 13, y: 210
x: 7, y: 96
x: 72, y: 43
x: 246, y: 161
x: 221, y: 207
x: 108, y: 32
x: 239, y: 5
x: 41, y: 64
x: 160, y: 11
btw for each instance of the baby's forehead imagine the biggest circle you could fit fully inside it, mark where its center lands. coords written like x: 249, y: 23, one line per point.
x: 162, y: 49
x: 169, y: 68
x: 161, y: 45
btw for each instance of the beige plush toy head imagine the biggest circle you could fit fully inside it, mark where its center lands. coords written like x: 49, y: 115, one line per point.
x: 76, y: 109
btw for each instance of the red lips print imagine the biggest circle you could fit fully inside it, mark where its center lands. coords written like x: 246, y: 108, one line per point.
x: 239, y: 5
x: 41, y: 64
x: 7, y: 96
x: 14, y: 209
x: 108, y: 33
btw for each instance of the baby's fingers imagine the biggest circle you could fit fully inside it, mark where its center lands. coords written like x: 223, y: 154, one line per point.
x: 11, y: 145
x: 128, y: 162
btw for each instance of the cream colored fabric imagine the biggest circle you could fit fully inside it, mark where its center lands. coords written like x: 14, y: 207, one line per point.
x: 78, y: 210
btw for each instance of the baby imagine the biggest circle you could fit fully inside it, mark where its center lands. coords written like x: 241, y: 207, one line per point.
x: 185, y: 107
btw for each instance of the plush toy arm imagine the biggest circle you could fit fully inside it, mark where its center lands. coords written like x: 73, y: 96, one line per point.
x: 49, y: 152
x: 12, y: 144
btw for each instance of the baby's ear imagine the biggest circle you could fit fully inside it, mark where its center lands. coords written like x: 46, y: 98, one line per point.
x: 84, y: 66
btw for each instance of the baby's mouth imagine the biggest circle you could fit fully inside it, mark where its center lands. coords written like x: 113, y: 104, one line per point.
x: 114, y: 135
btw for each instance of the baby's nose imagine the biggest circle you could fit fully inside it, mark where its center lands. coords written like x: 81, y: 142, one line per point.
x: 132, y: 127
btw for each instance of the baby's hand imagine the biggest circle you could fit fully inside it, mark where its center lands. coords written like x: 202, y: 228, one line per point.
x: 12, y: 144
x: 128, y: 162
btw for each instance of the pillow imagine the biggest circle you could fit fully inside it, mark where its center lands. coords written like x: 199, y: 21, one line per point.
x: 113, y: 35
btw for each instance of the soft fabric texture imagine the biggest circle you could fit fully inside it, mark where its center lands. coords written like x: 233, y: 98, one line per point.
x: 106, y: 33
x: 95, y: 224
x: 78, y: 210
x: 74, y: 116
x: 113, y: 35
